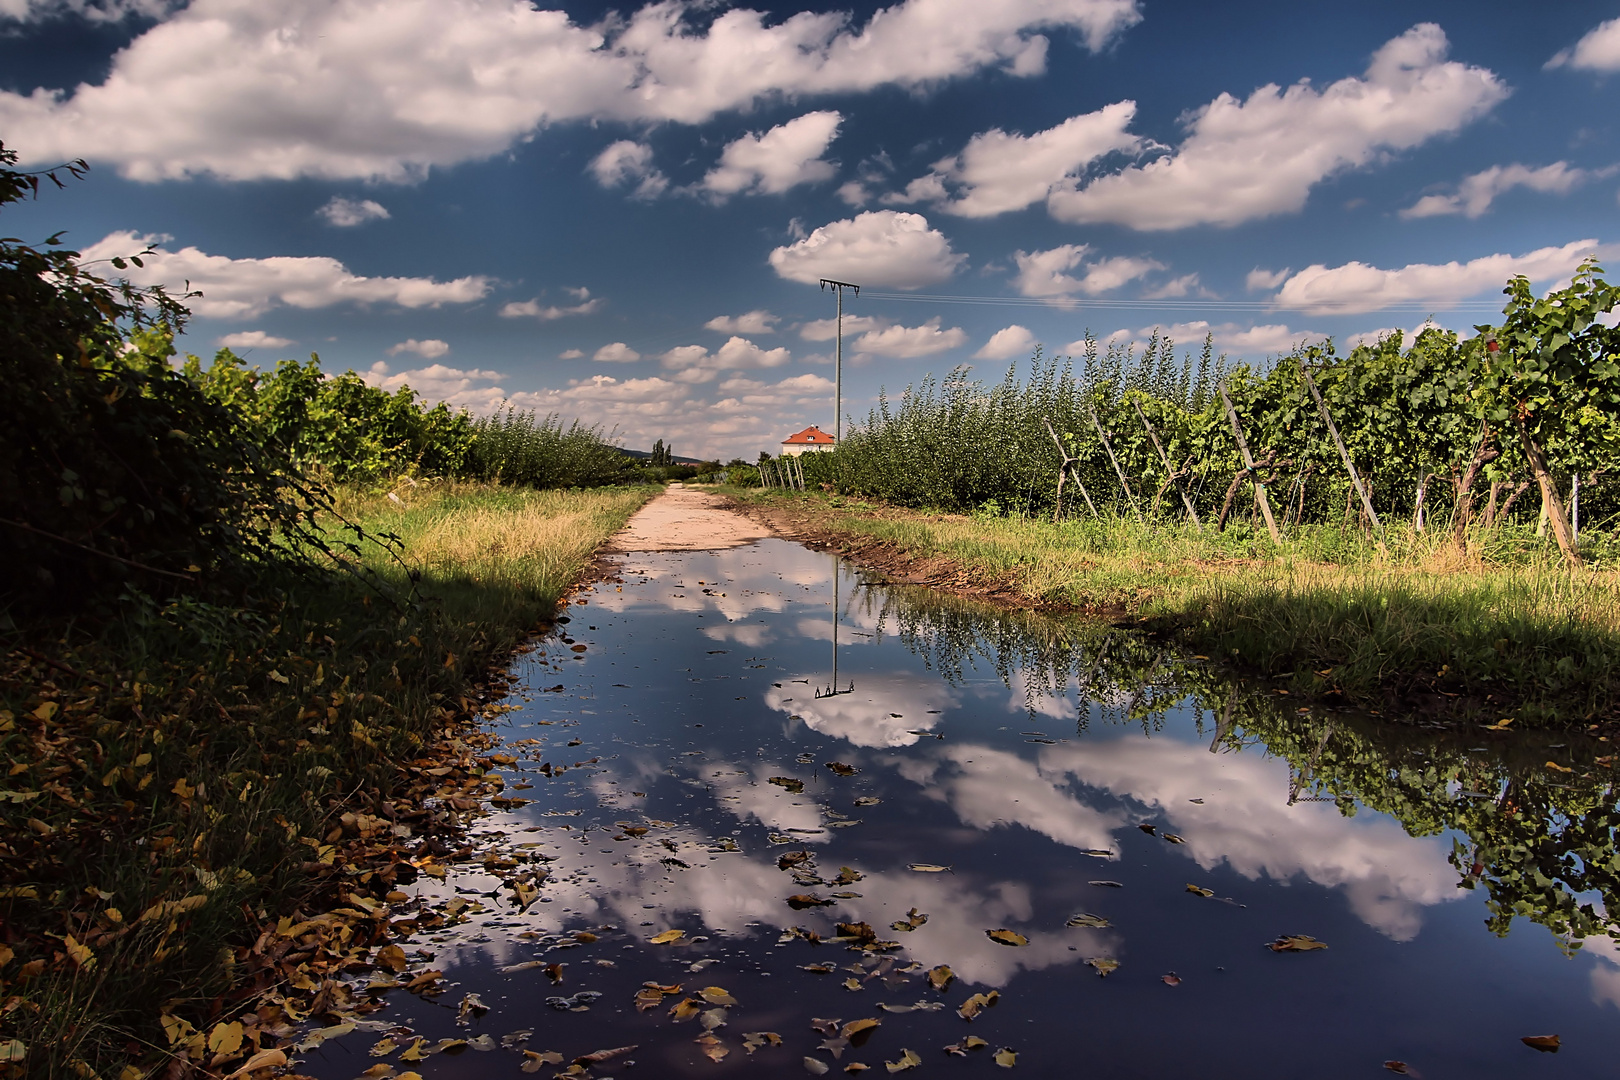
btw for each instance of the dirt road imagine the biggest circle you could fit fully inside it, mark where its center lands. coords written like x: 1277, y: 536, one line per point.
x: 686, y: 519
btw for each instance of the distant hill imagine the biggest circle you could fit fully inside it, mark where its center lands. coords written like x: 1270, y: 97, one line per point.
x: 643, y: 455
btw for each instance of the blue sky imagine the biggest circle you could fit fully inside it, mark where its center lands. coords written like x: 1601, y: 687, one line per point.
x: 619, y: 213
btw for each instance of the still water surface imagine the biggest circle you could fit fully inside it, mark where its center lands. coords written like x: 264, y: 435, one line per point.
x: 1056, y: 774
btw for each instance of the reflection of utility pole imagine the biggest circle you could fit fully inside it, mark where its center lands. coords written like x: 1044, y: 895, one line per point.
x: 838, y: 366
x: 832, y: 687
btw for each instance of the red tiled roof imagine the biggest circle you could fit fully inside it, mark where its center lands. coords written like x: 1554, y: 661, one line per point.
x: 811, y: 434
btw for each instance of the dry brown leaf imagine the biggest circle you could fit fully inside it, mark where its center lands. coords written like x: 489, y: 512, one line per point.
x: 1296, y: 943
x: 940, y: 977
x: 667, y: 936
x: 1103, y: 965
x: 816, y: 1066
x: 1006, y: 937
x: 1547, y: 1044
x: 1006, y: 1058
x: 855, y: 1027
x: 603, y: 1055
x: 715, y: 995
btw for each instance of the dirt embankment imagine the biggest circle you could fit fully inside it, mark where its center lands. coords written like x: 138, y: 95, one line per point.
x: 822, y: 528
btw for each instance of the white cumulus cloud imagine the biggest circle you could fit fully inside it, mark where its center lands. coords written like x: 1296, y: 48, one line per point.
x: 1244, y: 160
x: 880, y: 248
x: 1476, y: 192
x: 431, y: 349
x: 1259, y: 280
x: 390, y: 88
x: 253, y: 339
x: 908, y: 342
x: 626, y: 162
x: 1007, y: 343
x: 93, y: 11
x: 346, y: 213
x: 753, y: 322
x: 1357, y: 287
x: 783, y: 157
x: 999, y: 172
x: 534, y: 309
x: 1046, y: 273
x: 246, y: 288
x: 695, y: 363
x: 471, y: 389
x: 616, y: 353
x: 1598, y: 50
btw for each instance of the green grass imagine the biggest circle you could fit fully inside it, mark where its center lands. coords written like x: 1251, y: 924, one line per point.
x: 195, y: 750
x: 1501, y: 629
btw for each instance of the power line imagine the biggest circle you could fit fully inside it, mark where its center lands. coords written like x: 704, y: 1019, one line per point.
x: 1191, y: 304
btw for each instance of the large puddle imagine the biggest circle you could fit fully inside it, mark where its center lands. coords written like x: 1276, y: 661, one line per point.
x: 1101, y: 843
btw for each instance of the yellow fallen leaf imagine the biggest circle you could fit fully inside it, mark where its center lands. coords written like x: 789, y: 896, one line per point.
x: 1103, y: 965
x: 1296, y: 943
x: 225, y: 1039
x: 264, y: 1059
x: 1006, y: 937
x: 81, y: 954
x: 940, y: 977
x: 1199, y: 890
x: 909, y: 1059
x: 667, y: 936
x: 714, y: 995
x: 855, y: 1027
x: 13, y: 1050
x: 927, y: 868
x: 1006, y: 1058
x: 183, y: 789
x: 391, y: 957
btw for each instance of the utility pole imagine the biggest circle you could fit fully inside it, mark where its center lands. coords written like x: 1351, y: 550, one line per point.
x: 838, y: 287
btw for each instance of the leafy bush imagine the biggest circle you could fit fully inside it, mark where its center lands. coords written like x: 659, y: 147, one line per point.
x: 518, y: 447
x: 115, y: 468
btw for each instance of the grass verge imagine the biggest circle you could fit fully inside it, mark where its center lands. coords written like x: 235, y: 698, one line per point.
x: 1504, y: 631
x: 206, y: 807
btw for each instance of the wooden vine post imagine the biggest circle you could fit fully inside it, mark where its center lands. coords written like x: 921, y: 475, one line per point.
x: 1350, y: 466
x: 1108, y: 448
x: 1169, y: 469
x: 1248, y: 463
x: 1063, y: 469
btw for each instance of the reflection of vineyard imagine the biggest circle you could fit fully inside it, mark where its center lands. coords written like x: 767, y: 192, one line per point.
x: 1537, y: 819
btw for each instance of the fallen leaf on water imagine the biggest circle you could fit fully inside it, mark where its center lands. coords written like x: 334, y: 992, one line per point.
x: 823, y: 1026
x: 840, y: 769
x: 1173, y: 838
x: 648, y: 999
x: 415, y: 1051
x: 712, y: 1018
x: 603, y: 1055
x: 532, y: 1061
x: 714, y: 995
x: 793, y: 786
x: 383, y: 1047
x: 378, y: 1071
x: 853, y: 984
x: 856, y: 1067
x: 867, y: 800
x: 1500, y: 725
x: 847, y: 876
x: 913, y: 919
x: 800, y: 901
x: 1398, y: 1067
x: 976, y: 1004
x: 753, y: 1040
x: 1171, y: 979
x: 1085, y: 918
x: 391, y: 957
x: 713, y: 1048
x: 972, y: 1042
x: 1547, y: 1044
x: 527, y: 965
x: 685, y: 1009
x: 1107, y: 884
x: 667, y: 936
x: 834, y: 1046
x: 1006, y: 937
x: 1199, y: 890
x: 940, y: 977
x: 1146, y: 828
x: 1103, y: 964
x: 909, y: 1059
x: 819, y: 969
x: 816, y: 1065
x: 1006, y: 1058
x: 856, y: 1027
x: 423, y: 981
x: 927, y: 868
x: 1296, y: 943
